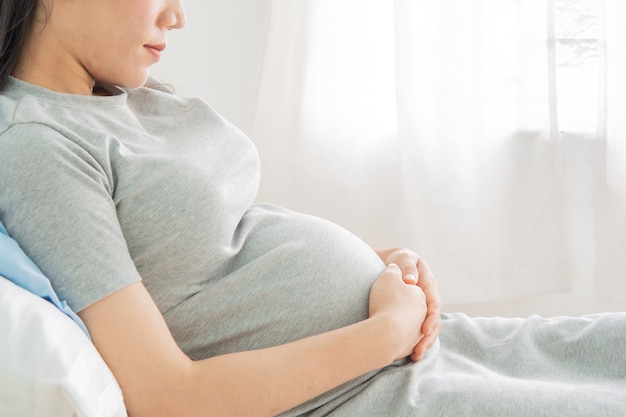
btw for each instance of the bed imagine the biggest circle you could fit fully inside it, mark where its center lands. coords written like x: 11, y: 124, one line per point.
x: 48, y: 365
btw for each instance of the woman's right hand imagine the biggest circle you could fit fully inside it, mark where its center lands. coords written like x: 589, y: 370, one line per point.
x: 402, y: 305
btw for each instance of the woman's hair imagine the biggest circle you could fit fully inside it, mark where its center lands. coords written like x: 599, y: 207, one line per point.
x: 16, y: 17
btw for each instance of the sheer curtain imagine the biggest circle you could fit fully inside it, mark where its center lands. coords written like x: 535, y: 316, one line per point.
x: 611, y: 207
x: 485, y: 134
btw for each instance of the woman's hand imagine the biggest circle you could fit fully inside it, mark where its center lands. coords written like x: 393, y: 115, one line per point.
x: 402, y: 306
x: 415, y: 271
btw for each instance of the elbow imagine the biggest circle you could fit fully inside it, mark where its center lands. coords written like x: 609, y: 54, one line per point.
x: 167, y: 395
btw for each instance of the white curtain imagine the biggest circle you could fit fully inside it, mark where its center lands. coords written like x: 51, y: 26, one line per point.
x: 611, y: 202
x: 485, y: 134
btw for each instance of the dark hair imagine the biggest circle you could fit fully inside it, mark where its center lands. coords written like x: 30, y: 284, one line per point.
x: 16, y: 17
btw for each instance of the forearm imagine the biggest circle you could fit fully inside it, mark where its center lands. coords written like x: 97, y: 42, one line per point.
x: 269, y: 381
x: 158, y: 379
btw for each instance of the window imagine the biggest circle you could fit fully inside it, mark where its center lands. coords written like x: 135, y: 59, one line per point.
x: 577, y: 27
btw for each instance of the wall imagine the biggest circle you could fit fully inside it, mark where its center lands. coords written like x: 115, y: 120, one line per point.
x: 217, y: 56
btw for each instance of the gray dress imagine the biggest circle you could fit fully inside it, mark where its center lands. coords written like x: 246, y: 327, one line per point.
x: 103, y: 192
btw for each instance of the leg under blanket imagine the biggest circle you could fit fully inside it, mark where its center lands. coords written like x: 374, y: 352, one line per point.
x: 502, y: 367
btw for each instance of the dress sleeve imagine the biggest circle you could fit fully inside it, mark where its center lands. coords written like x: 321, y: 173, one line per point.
x: 56, y: 202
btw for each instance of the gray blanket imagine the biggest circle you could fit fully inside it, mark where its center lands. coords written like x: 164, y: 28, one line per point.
x: 500, y: 367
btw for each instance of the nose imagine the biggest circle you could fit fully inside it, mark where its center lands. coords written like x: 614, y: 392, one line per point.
x: 174, y: 17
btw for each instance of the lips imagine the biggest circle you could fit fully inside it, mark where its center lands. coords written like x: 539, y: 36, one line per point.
x: 159, y: 47
x: 155, y: 50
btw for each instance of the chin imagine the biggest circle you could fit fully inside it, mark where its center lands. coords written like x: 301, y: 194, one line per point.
x: 131, y: 82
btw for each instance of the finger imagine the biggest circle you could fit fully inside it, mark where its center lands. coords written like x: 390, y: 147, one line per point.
x: 428, y: 284
x: 432, y: 324
x: 431, y: 330
x: 421, y: 348
x: 409, y: 278
x: 427, y: 279
x: 392, y: 269
x: 407, y: 261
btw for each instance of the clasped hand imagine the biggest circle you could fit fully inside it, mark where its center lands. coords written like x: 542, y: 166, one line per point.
x: 408, y: 291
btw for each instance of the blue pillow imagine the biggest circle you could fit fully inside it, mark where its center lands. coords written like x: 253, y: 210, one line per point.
x: 17, y: 267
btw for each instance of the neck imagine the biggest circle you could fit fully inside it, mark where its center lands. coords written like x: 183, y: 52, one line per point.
x: 54, y: 71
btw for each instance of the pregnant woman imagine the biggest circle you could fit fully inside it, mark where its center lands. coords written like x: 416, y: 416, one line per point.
x: 139, y: 206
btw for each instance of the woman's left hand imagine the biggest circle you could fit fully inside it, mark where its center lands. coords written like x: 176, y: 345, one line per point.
x: 415, y: 271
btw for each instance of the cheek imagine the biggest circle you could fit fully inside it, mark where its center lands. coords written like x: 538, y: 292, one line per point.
x: 124, y: 72
x: 120, y: 63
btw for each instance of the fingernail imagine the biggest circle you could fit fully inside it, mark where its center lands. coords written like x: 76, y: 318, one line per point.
x: 393, y: 266
x: 411, y: 278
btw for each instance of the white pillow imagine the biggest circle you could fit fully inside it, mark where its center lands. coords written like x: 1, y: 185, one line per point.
x: 48, y: 366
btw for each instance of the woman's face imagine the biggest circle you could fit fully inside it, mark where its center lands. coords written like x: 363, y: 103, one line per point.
x: 112, y: 41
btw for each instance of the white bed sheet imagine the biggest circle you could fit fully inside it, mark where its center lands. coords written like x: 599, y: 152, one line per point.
x: 48, y: 366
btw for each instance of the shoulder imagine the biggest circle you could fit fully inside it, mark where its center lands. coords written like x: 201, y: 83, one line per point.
x: 29, y: 143
x: 20, y: 106
x: 35, y: 155
x: 28, y: 129
x: 41, y: 127
x: 35, y: 140
x: 30, y: 135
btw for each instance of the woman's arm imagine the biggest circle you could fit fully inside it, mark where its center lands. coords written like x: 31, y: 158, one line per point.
x: 158, y: 379
x: 416, y: 271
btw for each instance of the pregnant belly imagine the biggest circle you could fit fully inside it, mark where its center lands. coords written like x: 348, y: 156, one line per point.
x: 290, y: 276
